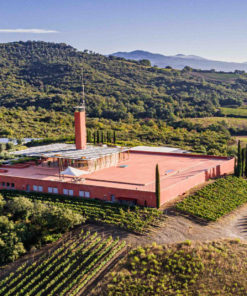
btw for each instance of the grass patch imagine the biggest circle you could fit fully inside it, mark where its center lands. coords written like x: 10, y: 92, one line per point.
x: 216, y: 199
x: 179, y: 270
x: 223, y: 77
x: 226, y: 121
x: 234, y: 111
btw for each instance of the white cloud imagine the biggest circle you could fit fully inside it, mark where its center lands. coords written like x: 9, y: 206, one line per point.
x: 34, y: 31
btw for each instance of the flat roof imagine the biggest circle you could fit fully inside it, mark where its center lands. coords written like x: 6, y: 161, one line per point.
x: 139, y: 173
x: 69, y: 151
x: 164, y: 149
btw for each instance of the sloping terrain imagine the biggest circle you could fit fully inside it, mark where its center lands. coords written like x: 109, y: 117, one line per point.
x: 48, y: 75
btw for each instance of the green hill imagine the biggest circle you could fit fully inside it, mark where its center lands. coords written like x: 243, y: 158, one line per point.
x: 48, y: 75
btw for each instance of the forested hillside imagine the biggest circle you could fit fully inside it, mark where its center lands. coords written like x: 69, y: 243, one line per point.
x: 57, y: 125
x: 48, y: 75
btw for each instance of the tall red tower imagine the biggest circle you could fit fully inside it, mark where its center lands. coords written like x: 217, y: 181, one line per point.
x: 80, y: 127
x: 80, y: 123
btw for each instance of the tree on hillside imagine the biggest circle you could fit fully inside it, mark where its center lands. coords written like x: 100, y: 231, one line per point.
x: 157, y: 186
x: 10, y: 145
x: 20, y: 141
x: 187, y: 69
x: 63, y: 219
x: 98, y: 138
x: 243, y: 162
x: 21, y: 207
x: 2, y: 204
x: 239, y: 165
x: 89, y: 137
x: 114, y: 137
x: 11, y: 248
x: 145, y: 62
x: 109, y: 136
x: 94, y: 138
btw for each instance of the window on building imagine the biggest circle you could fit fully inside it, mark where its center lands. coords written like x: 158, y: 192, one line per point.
x: 40, y: 188
x: 35, y: 188
x: 55, y: 190
x: 87, y: 194
x: 66, y: 191
x: 71, y: 192
x: 81, y: 193
x: 50, y: 189
x: 12, y: 185
x: 8, y: 184
x: 3, y: 184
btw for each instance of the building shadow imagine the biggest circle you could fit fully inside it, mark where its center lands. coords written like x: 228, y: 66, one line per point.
x: 213, y: 173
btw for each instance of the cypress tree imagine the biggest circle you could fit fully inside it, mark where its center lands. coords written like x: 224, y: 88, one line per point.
x: 239, y: 166
x: 94, y: 138
x: 243, y: 162
x: 89, y: 136
x: 98, y: 137
x: 157, y: 186
x: 109, y: 137
x: 102, y: 137
x: 114, y: 137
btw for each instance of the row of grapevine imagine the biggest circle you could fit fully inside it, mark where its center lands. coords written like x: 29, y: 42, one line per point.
x: 216, y: 199
x: 135, y: 219
x: 66, y: 270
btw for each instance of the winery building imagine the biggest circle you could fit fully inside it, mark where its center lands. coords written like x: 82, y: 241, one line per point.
x: 113, y: 174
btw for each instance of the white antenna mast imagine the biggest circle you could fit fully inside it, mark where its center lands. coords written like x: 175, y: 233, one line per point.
x: 83, y: 92
x: 81, y: 107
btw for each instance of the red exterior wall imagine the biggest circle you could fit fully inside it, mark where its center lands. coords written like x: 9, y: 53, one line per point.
x: 183, y: 186
x: 104, y: 193
x: 80, y: 130
x: 100, y: 192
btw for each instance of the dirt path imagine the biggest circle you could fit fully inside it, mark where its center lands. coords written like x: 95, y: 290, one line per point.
x: 179, y: 228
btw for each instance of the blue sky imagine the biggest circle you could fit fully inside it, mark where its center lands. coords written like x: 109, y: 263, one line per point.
x: 212, y: 29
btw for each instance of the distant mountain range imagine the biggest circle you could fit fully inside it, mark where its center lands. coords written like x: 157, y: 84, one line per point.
x: 179, y: 61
